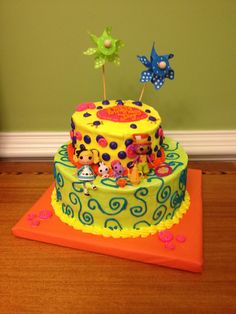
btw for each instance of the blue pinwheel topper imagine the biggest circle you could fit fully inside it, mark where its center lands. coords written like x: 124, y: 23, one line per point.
x: 158, y: 69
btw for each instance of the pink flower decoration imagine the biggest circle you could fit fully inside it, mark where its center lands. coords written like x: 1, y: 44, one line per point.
x: 45, y: 214
x: 84, y: 106
x: 31, y: 216
x: 180, y: 238
x: 163, y: 170
x: 78, y: 136
x: 169, y: 245
x: 102, y: 142
x: 35, y: 223
x: 165, y: 236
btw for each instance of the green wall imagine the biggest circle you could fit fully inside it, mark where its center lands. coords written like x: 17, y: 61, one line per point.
x: 44, y: 73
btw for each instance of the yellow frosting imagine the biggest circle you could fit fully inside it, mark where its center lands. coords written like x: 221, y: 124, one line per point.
x: 115, y: 131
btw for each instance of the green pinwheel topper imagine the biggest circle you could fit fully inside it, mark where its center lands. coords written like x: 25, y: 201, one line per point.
x: 106, y: 50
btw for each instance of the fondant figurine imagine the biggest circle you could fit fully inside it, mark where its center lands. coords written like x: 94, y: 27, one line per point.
x: 87, y: 158
x: 140, y: 150
x: 118, y: 169
x: 121, y: 182
x: 134, y: 175
x: 103, y: 170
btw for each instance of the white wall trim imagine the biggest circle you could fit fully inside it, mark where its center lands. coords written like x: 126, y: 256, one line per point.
x: 200, y: 145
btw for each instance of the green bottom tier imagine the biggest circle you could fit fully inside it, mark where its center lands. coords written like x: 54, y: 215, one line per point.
x: 157, y: 203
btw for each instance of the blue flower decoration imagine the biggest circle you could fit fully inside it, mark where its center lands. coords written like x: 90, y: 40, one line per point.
x: 158, y: 69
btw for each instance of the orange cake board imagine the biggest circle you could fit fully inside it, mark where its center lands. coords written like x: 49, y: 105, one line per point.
x: 185, y: 255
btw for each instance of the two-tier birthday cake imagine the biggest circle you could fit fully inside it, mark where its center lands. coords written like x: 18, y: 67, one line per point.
x: 119, y: 176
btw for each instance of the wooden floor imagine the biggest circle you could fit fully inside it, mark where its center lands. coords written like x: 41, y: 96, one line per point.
x: 42, y: 278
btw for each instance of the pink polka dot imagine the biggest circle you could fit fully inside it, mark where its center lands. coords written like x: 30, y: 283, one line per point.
x: 169, y: 245
x: 78, y: 136
x: 180, y: 238
x: 35, y: 223
x: 31, y: 216
x: 102, y: 142
x: 45, y: 214
x: 165, y: 236
x: 71, y: 134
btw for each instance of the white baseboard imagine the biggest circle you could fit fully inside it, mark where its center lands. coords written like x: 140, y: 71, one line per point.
x: 200, y: 145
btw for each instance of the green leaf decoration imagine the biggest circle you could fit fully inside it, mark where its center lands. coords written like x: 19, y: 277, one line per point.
x: 106, y: 48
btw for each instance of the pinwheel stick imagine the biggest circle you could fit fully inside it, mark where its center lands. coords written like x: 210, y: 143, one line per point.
x: 104, y: 83
x: 142, y: 92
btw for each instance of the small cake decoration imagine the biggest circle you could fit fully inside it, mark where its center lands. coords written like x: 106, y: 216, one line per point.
x: 106, y: 50
x: 158, y: 68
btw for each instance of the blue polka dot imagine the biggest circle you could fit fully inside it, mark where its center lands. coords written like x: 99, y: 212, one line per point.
x: 159, y: 153
x: 133, y: 126
x: 99, y: 107
x: 113, y: 145
x: 148, y: 111
x: 87, y: 139
x: 119, y: 102
x: 149, y: 138
x: 96, y: 123
x: 130, y: 164
x: 122, y: 155
x: 86, y: 114
x: 105, y: 102
x: 156, y: 148
x: 151, y: 118
x: 106, y: 157
x: 73, y: 140
x: 137, y: 103
x: 128, y: 142
x: 157, y: 134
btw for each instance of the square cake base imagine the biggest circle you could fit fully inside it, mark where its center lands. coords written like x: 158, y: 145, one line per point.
x: 183, y: 252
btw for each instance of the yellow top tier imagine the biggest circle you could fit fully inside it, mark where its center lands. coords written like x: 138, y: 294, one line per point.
x: 109, y: 127
x: 118, y: 120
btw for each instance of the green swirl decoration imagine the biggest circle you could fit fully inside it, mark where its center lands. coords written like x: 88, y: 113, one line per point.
x: 183, y: 180
x: 77, y: 189
x: 159, y: 214
x: 168, y: 148
x: 85, y: 218
x: 116, y: 205
x: 110, y: 182
x: 174, y: 165
x: 176, y: 200
x: 172, y: 156
x: 59, y: 179
x: 113, y: 224
x: 58, y: 194
x: 67, y: 210
x: 141, y: 224
x: 138, y: 210
x: 163, y: 192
